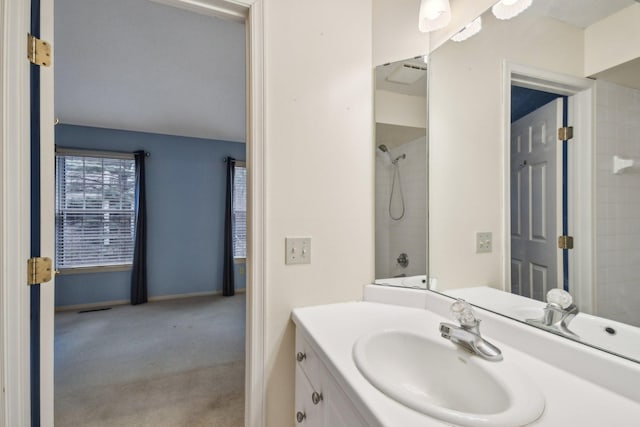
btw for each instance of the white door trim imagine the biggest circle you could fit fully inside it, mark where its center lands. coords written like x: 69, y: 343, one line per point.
x: 255, y: 389
x: 581, y: 175
x: 14, y: 217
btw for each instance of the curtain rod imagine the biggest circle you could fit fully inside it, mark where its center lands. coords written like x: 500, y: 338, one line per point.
x: 80, y: 152
x: 239, y: 163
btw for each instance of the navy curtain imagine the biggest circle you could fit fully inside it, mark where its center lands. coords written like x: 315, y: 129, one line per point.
x: 139, y: 271
x: 228, y: 286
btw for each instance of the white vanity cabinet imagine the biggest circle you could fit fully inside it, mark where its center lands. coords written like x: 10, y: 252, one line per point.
x: 320, y: 402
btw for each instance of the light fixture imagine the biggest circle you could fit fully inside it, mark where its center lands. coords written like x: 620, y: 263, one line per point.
x: 507, y: 9
x: 434, y: 14
x: 469, y: 30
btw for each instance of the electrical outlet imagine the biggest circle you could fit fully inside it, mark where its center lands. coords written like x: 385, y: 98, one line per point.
x: 298, y: 250
x: 484, y: 242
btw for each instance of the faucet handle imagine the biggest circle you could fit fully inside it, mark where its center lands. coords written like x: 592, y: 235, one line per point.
x: 463, y: 312
x: 560, y: 297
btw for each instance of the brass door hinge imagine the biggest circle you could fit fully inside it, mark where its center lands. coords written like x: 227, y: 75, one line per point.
x: 565, y: 242
x: 38, y: 51
x: 39, y: 270
x: 565, y: 134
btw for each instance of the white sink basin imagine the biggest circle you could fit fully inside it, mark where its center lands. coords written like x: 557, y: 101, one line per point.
x: 445, y: 382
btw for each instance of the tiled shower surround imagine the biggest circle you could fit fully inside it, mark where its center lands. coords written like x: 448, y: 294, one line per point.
x: 617, y: 289
x: 409, y: 234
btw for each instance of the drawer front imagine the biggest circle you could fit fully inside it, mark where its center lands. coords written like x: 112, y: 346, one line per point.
x: 335, y: 409
x: 308, y: 361
x: 307, y: 413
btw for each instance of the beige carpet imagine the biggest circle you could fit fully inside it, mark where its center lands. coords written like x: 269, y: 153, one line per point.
x: 171, y: 363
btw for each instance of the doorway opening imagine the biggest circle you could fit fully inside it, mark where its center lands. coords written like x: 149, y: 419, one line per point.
x: 538, y: 191
x: 547, y: 185
x: 180, y: 358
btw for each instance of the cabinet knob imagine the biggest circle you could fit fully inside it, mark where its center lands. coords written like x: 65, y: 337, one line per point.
x: 316, y: 397
x: 300, y: 416
x: 301, y: 356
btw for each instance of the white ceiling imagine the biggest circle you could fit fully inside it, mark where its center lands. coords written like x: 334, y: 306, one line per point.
x: 417, y: 88
x: 580, y: 13
x: 627, y: 74
x: 143, y: 66
x: 395, y: 135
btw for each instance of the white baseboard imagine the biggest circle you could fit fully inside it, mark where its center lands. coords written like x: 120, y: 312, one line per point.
x: 78, y: 307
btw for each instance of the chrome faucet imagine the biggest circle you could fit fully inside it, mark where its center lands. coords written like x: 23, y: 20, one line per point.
x: 558, y: 313
x: 467, y: 335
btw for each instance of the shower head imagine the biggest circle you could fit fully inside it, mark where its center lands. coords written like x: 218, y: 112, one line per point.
x: 383, y: 148
x: 401, y: 156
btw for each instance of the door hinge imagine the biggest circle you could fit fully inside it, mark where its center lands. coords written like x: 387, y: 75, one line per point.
x: 39, y: 270
x: 565, y: 242
x: 565, y: 133
x: 38, y: 51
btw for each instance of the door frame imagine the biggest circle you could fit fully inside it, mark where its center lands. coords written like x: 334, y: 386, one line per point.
x: 14, y: 215
x: 14, y: 209
x: 580, y: 186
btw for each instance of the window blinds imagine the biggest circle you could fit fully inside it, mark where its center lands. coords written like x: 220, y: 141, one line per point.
x: 95, y: 211
x: 240, y: 212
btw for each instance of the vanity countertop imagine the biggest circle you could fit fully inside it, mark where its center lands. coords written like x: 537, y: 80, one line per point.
x: 333, y: 329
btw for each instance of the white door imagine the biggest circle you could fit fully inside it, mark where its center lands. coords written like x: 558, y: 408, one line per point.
x: 536, y: 178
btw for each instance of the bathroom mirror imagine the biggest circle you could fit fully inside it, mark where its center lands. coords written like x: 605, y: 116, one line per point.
x: 517, y: 206
x: 401, y: 173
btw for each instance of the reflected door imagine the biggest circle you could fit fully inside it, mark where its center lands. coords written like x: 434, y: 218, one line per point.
x: 534, y: 201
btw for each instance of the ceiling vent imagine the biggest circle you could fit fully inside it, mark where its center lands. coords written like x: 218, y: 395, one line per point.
x: 407, y: 74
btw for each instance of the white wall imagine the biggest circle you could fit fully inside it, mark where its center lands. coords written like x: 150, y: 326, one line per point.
x: 462, y: 12
x: 617, y: 203
x: 319, y: 169
x: 399, y: 109
x: 465, y: 139
x: 395, y: 31
x: 612, y: 41
x: 395, y: 27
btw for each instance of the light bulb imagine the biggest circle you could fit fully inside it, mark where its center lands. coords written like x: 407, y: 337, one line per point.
x: 507, y: 9
x: 434, y: 14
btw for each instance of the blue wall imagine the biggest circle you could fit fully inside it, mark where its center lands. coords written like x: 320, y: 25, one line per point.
x: 525, y: 101
x: 185, y: 214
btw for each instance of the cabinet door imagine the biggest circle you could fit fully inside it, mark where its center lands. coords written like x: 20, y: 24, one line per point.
x: 338, y: 409
x: 311, y: 415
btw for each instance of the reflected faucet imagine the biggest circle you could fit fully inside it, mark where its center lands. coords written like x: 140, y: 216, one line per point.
x: 467, y: 335
x: 558, y: 313
x: 403, y: 260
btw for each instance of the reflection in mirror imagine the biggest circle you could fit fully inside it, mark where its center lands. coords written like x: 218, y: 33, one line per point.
x: 499, y: 164
x: 401, y: 173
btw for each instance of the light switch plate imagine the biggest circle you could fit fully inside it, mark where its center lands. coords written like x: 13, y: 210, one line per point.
x: 484, y: 242
x: 298, y: 250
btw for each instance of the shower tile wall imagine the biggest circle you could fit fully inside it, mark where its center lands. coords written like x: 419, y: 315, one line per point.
x: 617, y: 204
x: 409, y: 234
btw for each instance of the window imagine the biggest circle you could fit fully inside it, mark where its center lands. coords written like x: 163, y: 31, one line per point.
x: 95, y: 209
x: 240, y: 211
